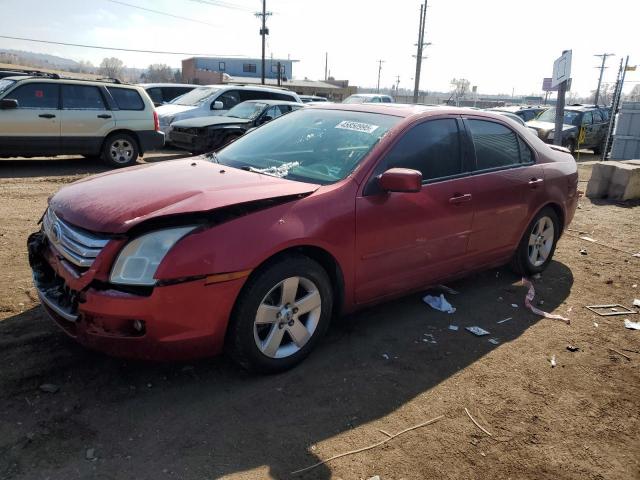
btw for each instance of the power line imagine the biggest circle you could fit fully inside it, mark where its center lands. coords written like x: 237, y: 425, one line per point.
x: 99, y: 47
x: 214, y: 3
x: 163, y: 13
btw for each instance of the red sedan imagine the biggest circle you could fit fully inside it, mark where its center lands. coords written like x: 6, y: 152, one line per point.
x: 318, y: 213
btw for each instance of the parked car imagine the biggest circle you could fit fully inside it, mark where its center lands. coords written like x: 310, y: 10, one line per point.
x: 320, y: 212
x: 12, y: 73
x: 211, y: 100
x: 516, y: 118
x: 207, y: 134
x: 593, y: 120
x: 48, y: 115
x: 368, y: 98
x: 162, y: 93
x: 526, y: 112
x: 312, y: 98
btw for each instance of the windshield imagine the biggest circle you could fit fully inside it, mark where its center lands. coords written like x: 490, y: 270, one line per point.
x: 5, y: 84
x: 246, y: 110
x: 354, y: 99
x: 315, y: 146
x: 195, y: 96
x: 571, y: 117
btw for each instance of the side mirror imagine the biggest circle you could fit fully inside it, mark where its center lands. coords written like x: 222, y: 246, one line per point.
x: 265, y: 119
x: 8, y: 103
x: 217, y: 105
x: 400, y: 180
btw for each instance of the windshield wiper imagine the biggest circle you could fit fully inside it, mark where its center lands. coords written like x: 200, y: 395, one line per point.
x: 212, y: 156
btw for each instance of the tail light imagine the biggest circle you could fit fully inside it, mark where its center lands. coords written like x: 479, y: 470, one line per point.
x: 156, y: 121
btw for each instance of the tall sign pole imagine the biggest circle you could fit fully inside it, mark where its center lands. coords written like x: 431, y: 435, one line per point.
x: 561, y: 75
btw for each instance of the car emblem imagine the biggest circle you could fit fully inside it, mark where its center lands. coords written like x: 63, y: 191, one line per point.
x: 56, y: 232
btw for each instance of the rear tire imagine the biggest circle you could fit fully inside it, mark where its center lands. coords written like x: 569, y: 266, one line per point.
x: 570, y: 144
x: 120, y: 150
x: 538, y: 243
x: 281, y: 314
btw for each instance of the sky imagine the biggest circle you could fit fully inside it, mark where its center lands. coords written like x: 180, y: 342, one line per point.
x: 501, y: 46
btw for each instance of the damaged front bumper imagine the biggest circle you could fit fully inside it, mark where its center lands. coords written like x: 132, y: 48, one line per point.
x: 179, y: 321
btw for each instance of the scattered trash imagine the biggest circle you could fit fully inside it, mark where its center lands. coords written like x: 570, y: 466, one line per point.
x: 635, y: 285
x: 477, y: 331
x: 636, y: 302
x: 620, y: 353
x: 583, y: 251
x: 529, y: 298
x: 90, y: 454
x: 569, y: 309
x: 614, y: 309
x: 553, y: 361
x: 495, y: 341
x: 573, y: 348
x: 637, y: 255
x: 448, y: 290
x: 49, y: 388
x: 514, y: 305
x: 429, y: 338
x: 453, y: 327
x: 588, y: 239
x: 595, y: 324
x: 631, y: 325
x: 385, y: 356
x: 439, y: 303
x: 504, y: 320
x: 375, y: 477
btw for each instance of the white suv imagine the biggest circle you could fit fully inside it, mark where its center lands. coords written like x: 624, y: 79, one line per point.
x: 50, y: 115
x: 215, y: 100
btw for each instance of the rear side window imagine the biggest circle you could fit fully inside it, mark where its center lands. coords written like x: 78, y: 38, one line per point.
x: 527, y: 115
x: 36, y: 95
x: 605, y: 114
x: 432, y: 148
x: 284, y: 97
x: 597, y: 116
x: 155, y: 94
x: 386, y: 100
x: 496, y: 145
x: 169, y: 93
x: 587, y: 118
x: 126, y: 98
x: 81, y: 97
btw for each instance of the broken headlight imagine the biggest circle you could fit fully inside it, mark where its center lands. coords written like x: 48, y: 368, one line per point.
x: 139, y: 259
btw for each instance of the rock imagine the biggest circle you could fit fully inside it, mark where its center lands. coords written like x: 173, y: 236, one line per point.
x: 375, y: 477
x: 90, y: 454
x: 49, y: 388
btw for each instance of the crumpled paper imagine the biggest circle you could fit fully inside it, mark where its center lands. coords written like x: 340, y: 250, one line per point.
x: 439, y: 303
x: 529, y: 298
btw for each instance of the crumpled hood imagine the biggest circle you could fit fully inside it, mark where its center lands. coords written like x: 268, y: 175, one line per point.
x: 548, y: 126
x: 200, y: 122
x: 114, y: 202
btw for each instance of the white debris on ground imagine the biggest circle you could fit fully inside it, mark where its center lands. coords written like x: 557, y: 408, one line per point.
x: 439, y: 303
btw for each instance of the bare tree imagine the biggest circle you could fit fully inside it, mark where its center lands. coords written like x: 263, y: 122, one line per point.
x: 111, y: 67
x: 607, y: 91
x: 159, y: 73
x: 459, y: 88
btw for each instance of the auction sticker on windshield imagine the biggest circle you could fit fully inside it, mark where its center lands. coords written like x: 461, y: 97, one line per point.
x: 357, y: 126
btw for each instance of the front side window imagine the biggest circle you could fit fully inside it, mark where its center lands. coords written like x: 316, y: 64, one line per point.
x: 126, y: 98
x: 496, y: 145
x: 571, y: 117
x: 229, y: 99
x: 81, y: 97
x: 246, y: 110
x: 597, y: 117
x: 314, y: 146
x: 587, y: 118
x: 386, y: 99
x: 5, y: 84
x: 432, y: 148
x: 36, y: 95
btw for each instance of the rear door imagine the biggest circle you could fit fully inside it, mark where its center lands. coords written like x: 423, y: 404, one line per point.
x: 129, y: 109
x: 85, y: 119
x: 34, y: 127
x: 591, y: 132
x: 508, y: 186
x: 407, y: 240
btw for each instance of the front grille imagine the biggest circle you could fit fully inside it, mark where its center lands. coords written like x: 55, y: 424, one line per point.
x: 78, y: 246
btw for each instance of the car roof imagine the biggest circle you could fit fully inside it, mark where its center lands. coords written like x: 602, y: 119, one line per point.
x: 580, y: 107
x: 404, y: 110
x: 272, y: 102
x: 370, y: 95
x: 152, y: 85
x: 97, y: 82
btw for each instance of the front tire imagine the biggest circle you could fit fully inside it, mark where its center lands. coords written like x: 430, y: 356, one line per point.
x: 120, y: 150
x: 538, y: 243
x: 281, y: 314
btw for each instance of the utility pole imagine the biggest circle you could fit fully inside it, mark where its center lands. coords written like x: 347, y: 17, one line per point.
x: 420, y: 45
x: 601, y: 67
x: 326, y: 65
x: 263, y: 32
x: 380, y: 62
x: 562, y: 90
x: 279, y: 74
x: 397, y: 84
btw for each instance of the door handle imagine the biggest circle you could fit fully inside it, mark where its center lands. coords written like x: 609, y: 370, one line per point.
x: 459, y: 198
x: 47, y: 115
x: 104, y: 115
x: 534, y: 182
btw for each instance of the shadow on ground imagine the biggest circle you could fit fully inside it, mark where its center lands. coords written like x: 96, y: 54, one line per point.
x: 209, y: 418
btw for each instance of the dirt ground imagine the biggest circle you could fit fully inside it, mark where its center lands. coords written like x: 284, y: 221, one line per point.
x: 384, y: 369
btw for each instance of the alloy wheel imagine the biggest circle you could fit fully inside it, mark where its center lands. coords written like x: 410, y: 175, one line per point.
x: 121, y: 151
x: 287, y: 317
x: 541, y: 241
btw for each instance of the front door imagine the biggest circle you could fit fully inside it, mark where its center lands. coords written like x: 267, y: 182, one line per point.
x: 34, y: 127
x: 85, y: 119
x: 407, y: 240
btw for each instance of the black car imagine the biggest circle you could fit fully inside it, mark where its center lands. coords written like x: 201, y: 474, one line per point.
x: 207, y: 134
x: 525, y: 112
x: 585, y: 126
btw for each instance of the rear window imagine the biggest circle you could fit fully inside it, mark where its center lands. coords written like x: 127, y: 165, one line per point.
x: 126, y: 98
